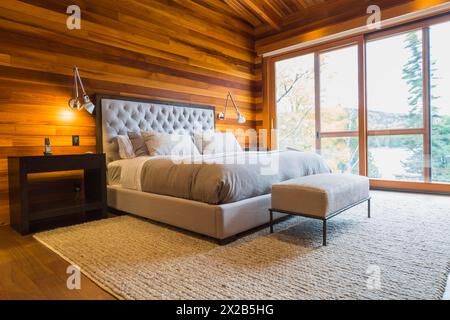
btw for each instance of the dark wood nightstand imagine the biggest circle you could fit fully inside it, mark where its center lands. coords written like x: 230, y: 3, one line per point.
x: 94, y: 200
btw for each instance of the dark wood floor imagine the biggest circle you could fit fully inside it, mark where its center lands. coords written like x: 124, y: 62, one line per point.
x: 28, y: 270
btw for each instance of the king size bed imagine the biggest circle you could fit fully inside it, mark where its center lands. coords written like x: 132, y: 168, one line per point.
x: 218, y: 195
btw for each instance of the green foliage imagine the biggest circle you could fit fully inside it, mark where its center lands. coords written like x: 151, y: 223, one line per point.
x: 413, y: 75
x: 441, y: 149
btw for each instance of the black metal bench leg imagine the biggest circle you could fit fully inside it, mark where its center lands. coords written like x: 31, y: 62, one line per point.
x: 368, y: 208
x: 324, y: 232
x: 271, y: 221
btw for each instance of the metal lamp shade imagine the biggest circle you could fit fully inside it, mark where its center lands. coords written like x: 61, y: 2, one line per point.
x: 241, y: 119
x: 88, y: 105
x: 75, y: 104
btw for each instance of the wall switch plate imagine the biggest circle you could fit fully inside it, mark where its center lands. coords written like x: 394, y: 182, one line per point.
x: 75, y: 141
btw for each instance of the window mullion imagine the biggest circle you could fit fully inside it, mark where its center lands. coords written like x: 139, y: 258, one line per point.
x: 362, y: 114
x: 426, y: 104
x: 317, y: 100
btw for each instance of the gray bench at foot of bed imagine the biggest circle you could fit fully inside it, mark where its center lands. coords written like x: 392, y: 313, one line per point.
x: 320, y: 196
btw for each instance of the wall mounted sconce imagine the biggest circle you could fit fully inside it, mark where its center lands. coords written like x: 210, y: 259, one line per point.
x: 222, y: 115
x: 76, y: 103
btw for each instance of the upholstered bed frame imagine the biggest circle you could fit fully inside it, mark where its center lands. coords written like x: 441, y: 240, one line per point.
x: 119, y: 115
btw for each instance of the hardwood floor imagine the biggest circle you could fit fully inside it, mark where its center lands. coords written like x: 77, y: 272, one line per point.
x: 28, y: 270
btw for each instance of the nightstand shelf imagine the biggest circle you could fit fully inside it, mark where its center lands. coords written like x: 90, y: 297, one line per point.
x: 94, y: 200
x: 58, y: 212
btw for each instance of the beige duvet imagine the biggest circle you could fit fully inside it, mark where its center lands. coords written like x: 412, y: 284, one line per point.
x: 218, y: 179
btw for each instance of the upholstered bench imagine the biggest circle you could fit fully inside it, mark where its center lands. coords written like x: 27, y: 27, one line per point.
x: 320, y: 196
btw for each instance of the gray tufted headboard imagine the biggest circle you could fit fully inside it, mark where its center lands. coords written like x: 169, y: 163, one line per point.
x: 120, y: 115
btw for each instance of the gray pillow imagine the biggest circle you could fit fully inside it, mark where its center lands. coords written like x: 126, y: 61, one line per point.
x: 138, y: 143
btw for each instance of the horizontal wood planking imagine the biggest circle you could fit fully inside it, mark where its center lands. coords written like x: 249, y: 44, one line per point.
x: 152, y: 49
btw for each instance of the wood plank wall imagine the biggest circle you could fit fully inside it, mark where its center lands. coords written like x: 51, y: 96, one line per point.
x: 187, y: 51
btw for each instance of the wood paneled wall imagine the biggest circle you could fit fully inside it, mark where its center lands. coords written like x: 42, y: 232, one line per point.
x: 182, y: 50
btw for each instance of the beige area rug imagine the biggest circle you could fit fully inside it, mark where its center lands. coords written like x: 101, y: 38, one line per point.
x: 403, y: 252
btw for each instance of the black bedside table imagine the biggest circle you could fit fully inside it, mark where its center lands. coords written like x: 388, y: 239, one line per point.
x: 94, y: 166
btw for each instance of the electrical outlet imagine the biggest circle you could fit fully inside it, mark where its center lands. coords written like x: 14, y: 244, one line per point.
x: 75, y: 141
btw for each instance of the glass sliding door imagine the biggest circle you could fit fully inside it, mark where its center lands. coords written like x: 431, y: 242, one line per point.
x: 339, y: 104
x: 376, y: 105
x: 295, y: 103
x: 317, y: 106
x: 440, y: 102
x: 395, y: 107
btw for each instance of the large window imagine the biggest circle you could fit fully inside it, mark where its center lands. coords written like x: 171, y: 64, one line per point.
x: 339, y: 89
x: 395, y: 111
x: 295, y: 103
x: 377, y: 105
x: 338, y: 132
x: 317, y: 105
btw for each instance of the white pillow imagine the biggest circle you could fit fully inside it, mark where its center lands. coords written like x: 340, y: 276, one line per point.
x: 217, y: 142
x: 125, y: 147
x: 164, y: 144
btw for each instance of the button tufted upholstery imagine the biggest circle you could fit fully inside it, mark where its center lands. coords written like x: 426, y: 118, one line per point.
x: 120, y: 117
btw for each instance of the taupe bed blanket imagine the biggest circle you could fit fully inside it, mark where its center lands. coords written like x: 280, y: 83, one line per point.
x: 217, y: 179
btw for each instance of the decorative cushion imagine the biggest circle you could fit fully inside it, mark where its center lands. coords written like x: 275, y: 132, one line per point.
x: 126, y: 150
x: 138, y: 143
x: 161, y: 144
x: 216, y: 142
x: 319, y: 195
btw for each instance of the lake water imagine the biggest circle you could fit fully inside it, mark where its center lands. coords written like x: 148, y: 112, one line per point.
x: 388, y: 161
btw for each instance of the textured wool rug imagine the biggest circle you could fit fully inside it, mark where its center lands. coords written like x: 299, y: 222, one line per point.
x: 403, y: 252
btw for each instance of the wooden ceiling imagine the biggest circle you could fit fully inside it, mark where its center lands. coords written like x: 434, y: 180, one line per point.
x: 269, y: 12
x: 271, y: 17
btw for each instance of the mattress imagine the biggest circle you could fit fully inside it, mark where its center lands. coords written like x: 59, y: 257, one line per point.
x: 217, y: 179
